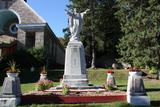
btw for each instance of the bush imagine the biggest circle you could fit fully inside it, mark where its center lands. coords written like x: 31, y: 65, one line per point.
x: 65, y: 90
x: 39, y: 54
x: 153, y: 70
x: 43, y: 85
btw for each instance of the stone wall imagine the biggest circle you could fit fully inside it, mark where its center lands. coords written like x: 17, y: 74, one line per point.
x: 56, y: 52
x: 39, y: 39
x: 21, y: 39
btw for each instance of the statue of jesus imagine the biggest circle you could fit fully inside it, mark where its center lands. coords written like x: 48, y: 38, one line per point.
x: 75, y: 24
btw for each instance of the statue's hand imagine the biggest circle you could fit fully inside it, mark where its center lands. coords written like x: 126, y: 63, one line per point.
x: 87, y: 10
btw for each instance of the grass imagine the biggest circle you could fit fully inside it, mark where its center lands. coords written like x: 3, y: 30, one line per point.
x: 115, y: 104
x: 98, y: 77
x: 27, y: 87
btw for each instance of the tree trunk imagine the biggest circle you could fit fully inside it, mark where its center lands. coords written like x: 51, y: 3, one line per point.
x: 157, y: 75
x: 92, y: 35
x: 158, y: 65
x: 93, y: 55
x: 158, y: 54
x: 158, y: 70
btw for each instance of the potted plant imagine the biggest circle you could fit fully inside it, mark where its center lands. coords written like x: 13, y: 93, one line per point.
x: 65, y: 89
x: 111, y: 83
x: 42, y: 85
x: 43, y: 73
x: 12, y: 70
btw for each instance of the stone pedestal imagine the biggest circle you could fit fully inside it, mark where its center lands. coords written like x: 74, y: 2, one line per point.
x: 75, y: 65
x: 9, y: 102
x: 11, y: 87
x: 136, y: 94
x: 11, y: 92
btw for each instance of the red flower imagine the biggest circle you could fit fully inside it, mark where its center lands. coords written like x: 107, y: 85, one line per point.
x: 110, y: 71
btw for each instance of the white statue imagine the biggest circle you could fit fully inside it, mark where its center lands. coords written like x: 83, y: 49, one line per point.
x: 75, y: 24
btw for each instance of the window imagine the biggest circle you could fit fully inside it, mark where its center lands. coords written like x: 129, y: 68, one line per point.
x: 13, y: 28
x: 30, y: 39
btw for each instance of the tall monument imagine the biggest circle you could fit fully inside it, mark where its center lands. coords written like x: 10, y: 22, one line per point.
x: 75, y: 65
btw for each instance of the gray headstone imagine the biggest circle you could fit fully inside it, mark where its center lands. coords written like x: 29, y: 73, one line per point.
x: 75, y: 65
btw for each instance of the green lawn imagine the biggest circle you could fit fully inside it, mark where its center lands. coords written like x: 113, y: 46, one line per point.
x: 115, y: 104
x: 98, y: 77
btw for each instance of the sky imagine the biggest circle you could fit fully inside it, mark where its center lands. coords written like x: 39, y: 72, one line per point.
x: 53, y: 11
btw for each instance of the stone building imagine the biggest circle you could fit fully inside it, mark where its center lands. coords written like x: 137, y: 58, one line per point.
x: 19, y: 20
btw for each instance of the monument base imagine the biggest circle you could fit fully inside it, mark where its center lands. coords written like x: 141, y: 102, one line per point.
x: 138, y: 100
x: 75, y: 65
x: 9, y: 102
x: 75, y: 80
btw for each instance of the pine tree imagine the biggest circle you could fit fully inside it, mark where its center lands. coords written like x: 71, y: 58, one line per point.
x: 140, y: 23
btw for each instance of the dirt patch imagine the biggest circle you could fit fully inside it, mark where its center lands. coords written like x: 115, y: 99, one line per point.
x: 78, y: 93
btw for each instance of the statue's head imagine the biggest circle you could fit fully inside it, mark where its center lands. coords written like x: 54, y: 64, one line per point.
x: 75, y: 10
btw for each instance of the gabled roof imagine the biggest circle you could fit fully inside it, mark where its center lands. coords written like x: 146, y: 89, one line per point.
x: 25, y: 12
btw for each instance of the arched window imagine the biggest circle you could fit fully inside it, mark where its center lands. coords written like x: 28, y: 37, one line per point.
x: 8, y: 19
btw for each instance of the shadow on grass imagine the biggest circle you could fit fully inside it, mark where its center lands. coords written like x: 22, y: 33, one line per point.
x: 26, y: 76
x: 59, y: 105
x: 121, y: 85
x: 155, y: 103
x: 152, y: 89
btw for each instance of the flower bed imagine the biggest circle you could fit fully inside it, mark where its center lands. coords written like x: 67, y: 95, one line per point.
x: 73, y: 97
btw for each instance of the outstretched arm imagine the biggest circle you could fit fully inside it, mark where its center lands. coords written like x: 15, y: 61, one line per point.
x: 83, y: 13
x: 86, y: 11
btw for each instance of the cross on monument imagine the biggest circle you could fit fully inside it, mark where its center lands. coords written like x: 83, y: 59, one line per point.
x: 6, y: 3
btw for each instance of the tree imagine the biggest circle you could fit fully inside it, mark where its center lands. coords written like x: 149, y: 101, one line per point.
x: 141, y: 26
x: 39, y: 54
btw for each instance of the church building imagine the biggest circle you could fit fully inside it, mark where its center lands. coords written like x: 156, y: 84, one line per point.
x: 23, y: 25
